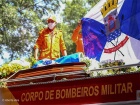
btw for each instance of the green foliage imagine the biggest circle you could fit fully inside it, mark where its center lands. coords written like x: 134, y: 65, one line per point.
x: 92, y: 2
x: 73, y: 12
x: 32, y: 60
x: 20, y: 21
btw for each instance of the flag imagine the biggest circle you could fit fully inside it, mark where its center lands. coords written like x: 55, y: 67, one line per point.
x: 129, y: 16
x: 108, y: 27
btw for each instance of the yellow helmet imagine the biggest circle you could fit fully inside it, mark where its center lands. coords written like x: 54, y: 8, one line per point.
x: 52, y: 18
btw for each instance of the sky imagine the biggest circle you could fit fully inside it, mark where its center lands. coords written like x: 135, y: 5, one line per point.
x: 1, y: 61
x: 5, y: 55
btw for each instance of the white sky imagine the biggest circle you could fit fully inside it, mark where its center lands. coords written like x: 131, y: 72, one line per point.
x: 1, y: 61
x: 5, y: 55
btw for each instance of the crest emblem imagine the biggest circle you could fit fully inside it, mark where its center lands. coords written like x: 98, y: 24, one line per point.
x: 112, y: 23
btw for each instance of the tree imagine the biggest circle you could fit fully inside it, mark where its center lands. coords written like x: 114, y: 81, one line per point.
x: 20, y: 21
x: 73, y: 12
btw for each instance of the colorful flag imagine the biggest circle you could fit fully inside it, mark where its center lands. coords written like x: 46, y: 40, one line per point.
x: 108, y: 27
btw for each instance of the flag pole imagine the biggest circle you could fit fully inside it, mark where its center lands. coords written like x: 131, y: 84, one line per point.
x: 118, y: 50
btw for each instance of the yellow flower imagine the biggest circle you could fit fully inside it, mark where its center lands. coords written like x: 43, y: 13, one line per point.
x: 4, y: 71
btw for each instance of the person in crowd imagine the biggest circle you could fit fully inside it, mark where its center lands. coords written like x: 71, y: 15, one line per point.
x: 77, y: 38
x: 50, y: 43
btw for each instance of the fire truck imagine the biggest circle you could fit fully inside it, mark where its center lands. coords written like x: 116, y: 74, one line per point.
x: 69, y: 84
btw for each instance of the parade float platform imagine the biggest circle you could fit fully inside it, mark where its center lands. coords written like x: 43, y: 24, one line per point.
x: 45, y: 85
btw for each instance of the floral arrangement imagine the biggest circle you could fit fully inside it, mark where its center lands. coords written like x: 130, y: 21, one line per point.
x: 3, y: 83
x: 112, y: 63
x: 87, y: 60
x: 7, y: 69
x: 11, y: 67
